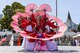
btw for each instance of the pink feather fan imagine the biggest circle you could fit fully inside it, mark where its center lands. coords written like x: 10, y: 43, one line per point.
x: 45, y: 7
x: 30, y: 7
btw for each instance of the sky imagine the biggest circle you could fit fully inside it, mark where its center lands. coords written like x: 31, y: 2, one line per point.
x: 63, y: 7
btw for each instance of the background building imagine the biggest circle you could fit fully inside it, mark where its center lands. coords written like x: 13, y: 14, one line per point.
x: 72, y: 28
x: 70, y: 24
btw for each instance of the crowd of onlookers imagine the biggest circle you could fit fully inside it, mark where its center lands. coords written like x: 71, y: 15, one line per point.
x: 68, y: 41
x: 63, y: 41
x: 4, y: 39
x: 10, y: 40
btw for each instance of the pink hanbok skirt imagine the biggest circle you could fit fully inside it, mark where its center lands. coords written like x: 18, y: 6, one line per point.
x: 39, y: 47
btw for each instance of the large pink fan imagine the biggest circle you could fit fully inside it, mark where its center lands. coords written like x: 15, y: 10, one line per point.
x: 41, y: 14
x: 30, y: 7
x: 23, y: 14
x: 15, y: 17
x: 29, y: 10
x: 15, y: 26
x: 62, y: 29
x: 45, y: 7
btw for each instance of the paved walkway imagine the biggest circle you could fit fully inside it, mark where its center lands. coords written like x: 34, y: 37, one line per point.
x: 62, y: 49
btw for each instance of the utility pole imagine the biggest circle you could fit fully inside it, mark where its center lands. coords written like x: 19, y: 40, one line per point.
x: 56, y: 9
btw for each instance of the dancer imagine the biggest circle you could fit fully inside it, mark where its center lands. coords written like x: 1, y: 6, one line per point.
x: 40, y: 44
x: 29, y: 29
x: 51, y: 44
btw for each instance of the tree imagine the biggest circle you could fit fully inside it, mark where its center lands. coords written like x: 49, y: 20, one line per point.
x: 8, y: 12
x: 79, y: 27
x: 17, y: 6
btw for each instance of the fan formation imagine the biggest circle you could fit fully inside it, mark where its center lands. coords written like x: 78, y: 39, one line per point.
x: 37, y: 21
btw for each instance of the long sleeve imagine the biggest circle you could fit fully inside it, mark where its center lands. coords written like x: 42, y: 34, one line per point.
x: 43, y: 18
x: 51, y: 24
x: 33, y: 18
x: 32, y: 35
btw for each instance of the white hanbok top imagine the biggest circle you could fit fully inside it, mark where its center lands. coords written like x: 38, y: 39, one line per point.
x: 29, y: 28
x: 48, y: 28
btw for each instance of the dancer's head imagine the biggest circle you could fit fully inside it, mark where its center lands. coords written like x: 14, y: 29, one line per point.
x: 39, y: 18
x: 29, y: 19
x: 46, y: 30
x: 46, y: 19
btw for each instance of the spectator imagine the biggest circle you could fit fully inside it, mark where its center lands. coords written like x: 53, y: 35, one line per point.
x: 12, y: 41
x: 73, y: 43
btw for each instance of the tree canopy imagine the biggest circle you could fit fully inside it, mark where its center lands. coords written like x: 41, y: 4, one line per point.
x: 79, y: 27
x: 8, y: 12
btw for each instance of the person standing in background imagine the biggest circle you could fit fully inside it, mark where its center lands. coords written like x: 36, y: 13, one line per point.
x: 12, y: 38
x: 12, y: 41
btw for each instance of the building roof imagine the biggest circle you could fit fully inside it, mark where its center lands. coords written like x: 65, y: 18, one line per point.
x: 69, y: 17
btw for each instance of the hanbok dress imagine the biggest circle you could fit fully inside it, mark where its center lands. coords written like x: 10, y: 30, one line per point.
x: 40, y: 44
x: 51, y: 45
x: 26, y: 44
